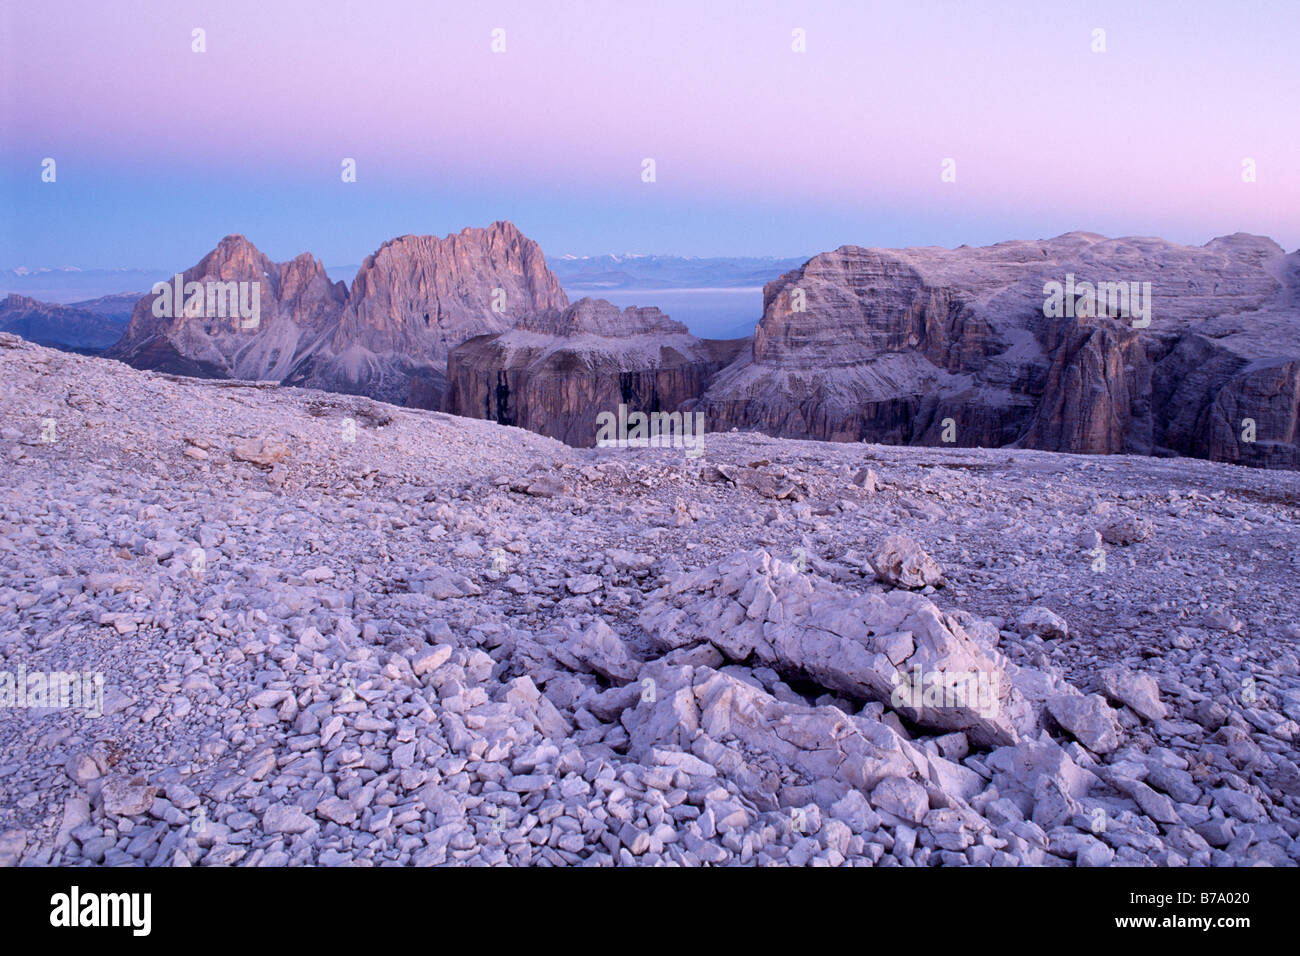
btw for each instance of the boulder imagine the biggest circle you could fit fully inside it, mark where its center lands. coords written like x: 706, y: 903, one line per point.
x: 1088, y: 719
x: 1044, y: 623
x: 902, y: 562
x: 1138, y: 691
x: 262, y: 452
x: 1126, y: 531
x: 127, y: 796
x: 896, y: 648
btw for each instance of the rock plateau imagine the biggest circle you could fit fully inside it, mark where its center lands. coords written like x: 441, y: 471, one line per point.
x: 329, y: 631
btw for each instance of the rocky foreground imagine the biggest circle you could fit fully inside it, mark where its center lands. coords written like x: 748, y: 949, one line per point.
x: 335, y: 631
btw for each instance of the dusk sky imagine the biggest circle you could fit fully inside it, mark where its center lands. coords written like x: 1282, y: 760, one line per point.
x: 759, y: 150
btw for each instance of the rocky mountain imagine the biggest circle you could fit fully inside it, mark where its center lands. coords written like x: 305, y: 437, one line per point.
x: 387, y: 337
x: 558, y: 370
x: 81, y: 326
x: 297, y: 308
x: 417, y: 298
x: 74, y: 286
x: 315, y: 629
x: 931, y: 346
x: 1078, y: 343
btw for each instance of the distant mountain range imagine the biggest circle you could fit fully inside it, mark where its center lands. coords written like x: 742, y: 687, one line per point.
x: 632, y: 271
x: 68, y: 284
x: 595, y: 273
x: 89, y: 326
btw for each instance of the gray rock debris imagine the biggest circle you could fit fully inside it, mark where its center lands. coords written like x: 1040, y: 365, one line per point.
x: 395, y: 653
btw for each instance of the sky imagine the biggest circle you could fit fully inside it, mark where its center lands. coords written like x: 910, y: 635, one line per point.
x: 758, y: 149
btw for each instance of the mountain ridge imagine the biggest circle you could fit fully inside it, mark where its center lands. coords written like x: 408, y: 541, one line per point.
x: 924, y: 345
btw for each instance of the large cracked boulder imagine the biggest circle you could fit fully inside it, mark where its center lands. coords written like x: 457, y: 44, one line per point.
x: 779, y: 752
x: 1088, y: 719
x: 895, y: 648
x: 773, y: 749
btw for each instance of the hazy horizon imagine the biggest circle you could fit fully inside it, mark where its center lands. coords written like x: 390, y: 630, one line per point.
x: 337, y: 270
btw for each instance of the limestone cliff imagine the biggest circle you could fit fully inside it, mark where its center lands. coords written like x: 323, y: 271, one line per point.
x: 417, y: 298
x: 921, y: 346
x: 559, y: 370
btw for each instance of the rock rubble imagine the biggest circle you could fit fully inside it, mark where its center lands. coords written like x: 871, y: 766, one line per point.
x: 355, y: 634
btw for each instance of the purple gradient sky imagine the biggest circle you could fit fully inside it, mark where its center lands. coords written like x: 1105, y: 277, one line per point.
x: 760, y: 151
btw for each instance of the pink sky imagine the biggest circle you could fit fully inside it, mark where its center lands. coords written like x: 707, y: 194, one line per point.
x: 1146, y: 138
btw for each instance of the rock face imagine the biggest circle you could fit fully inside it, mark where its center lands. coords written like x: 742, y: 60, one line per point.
x: 297, y: 308
x: 558, y: 370
x: 889, y: 345
x: 417, y: 298
x: 387, y: 338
